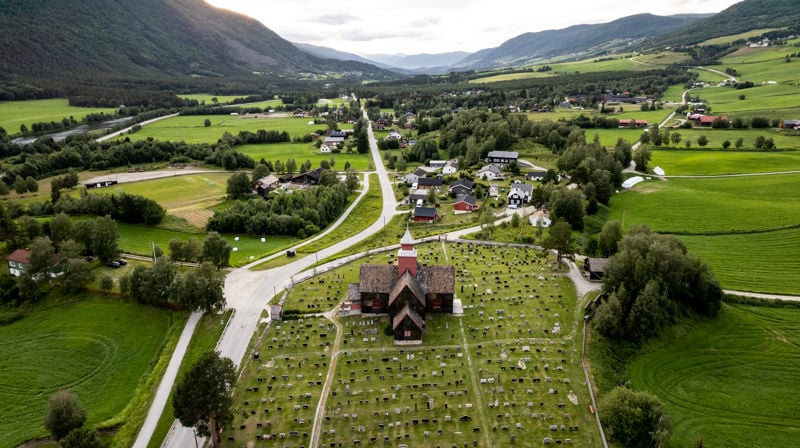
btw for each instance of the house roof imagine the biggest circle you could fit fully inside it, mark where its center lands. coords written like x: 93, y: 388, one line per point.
x: 267, y: 180
x: 503, y: 154
x: 413, y: 197
x: 468, y: 198
x: 466, y: 183
x: 711, y: 118
x: 438, y: 279
x: 407, y: 311
x: 491, y: 168
x: 535, y: 174
x: 430, y: 181
x: 376, y: 277
x: 522, y: 188
x: 407, y: 281
x: 419, y: 172
x: 596, y: 264
x: 424, y: 212
x: 20, y: 256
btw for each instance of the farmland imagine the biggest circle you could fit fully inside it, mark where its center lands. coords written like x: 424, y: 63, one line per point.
x: 16, y: 113
x: 726, y: 380
x: 301, y: 152
x: 704, y: 163
x: 102, y: 349
x: 437, y: 391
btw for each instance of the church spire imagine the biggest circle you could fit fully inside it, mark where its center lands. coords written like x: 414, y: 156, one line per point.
x: 407, y: 256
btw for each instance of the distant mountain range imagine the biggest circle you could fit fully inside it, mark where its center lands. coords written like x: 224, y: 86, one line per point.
x: 91, y: 39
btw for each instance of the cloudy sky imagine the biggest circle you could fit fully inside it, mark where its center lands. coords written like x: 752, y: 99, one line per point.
x: 436, y: 26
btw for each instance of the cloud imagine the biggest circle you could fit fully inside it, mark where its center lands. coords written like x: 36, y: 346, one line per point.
x: 425, y: 22
x: 334, y: 19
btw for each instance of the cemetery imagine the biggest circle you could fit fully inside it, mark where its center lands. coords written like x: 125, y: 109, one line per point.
x: 506, y: 371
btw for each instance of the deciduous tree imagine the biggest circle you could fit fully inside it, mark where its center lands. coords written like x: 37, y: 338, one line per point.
x: 64, y: 414
x: 635, y: 419
x: 201, y: 289
x: 216, y: 250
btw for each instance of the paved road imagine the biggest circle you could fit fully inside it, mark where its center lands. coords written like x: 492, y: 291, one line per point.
x: 144, y: 123
x: 249, y: 292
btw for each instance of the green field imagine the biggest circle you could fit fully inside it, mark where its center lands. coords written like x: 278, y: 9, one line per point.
x: 505, y: 334
x: 680, y: 162
x: 206, y: 98
x: 730, y: 380
x: 716, y: 138
x: 191, y: 128
x: 735, y: 37
x: 15, y: 113
x: 511, y: 77
x: 102, y: 349
x: 301, y: 152
x: 774, y: 101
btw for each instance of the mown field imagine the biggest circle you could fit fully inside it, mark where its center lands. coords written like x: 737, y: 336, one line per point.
x: 734, y: 37
x: 729, y: 222
x: 16, y: 113
x: 100, y: 348
x: 773, y: 101
x: 207, y: 98
x: 730, y: 380
x: 301, y: 152
x: 681, y: 162
x: 497, y: 374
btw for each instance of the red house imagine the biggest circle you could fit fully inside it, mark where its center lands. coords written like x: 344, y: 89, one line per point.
x: 425, y: 214
x: 465, y: 204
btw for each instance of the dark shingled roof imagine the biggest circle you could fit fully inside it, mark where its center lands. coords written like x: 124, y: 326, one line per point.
x: 430, y: 181
x: 438, y: 279
x: 597, y: 264
x: 377, y: 277
x: 424, y: 212
x: 407, y: 281
x: 408, y: 311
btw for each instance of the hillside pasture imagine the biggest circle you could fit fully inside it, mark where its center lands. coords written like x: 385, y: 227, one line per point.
x: 722, y: 40
x: 102, y: 349
x: 682, y: 162
x: 207, y: 98
x: 511, y: 77
x: 761, y: 65
x: 663, y: 58
x: 774, y: 101
x: 729, y: 380
x: 16, y: 113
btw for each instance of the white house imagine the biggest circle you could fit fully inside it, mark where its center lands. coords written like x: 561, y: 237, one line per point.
x: 394, y: 135
x: 324, y: 148
x: 540, y: 216
x: 519, y: 195
x: 451, y: 167
x: 490, y: 172
x: 414, y: 176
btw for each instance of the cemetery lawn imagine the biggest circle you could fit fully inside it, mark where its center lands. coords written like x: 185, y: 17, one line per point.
x: 103, y: 349
x: 15, y: 113
x: 496, y: 374
x: 730, y: 380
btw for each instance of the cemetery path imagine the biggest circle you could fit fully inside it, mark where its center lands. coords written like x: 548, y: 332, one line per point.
x: 319, y: 415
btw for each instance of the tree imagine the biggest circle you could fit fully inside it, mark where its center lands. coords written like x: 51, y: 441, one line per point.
x: 64, y: 414
x: 260, y: 171
x: 83, y: 438
x: 609, y: 236
x: 216, y: 250
x: 104, y: 239
x: 207, y: 122
x: 431, y: 196
x: 702, y: 140
x: 567, y: 205
x: 726, y: 144
x: 202, y: 398
x: 635, y: 419
x: 177, y: 249
x: 20, y: 186
x: 201, y: 289
x: 60, y: 228
x: 675, y: 138
x: 362, y: 143
x: 77, y: 273
x: 41, y: 258
x: 238, y: 186
x: 192, y: 250
x: 560, y: 239
x: 641, y: 158
x: 32, y: 185
x: 351, y: 181
x: 739, y: 143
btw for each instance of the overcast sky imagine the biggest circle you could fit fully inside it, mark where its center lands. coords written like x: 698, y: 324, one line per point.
x: 437, y: 26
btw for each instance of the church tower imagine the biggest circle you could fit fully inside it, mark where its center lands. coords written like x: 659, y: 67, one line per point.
x: 407, y: 257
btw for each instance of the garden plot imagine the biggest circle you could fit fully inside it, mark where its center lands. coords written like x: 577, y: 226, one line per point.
x: 481, y: 379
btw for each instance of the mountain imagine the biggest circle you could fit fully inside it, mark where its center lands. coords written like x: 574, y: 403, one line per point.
x: 332, y: 53
x: 45, y: 39
x: 739, y: 18
x: 584, y: 40
x: 415, y: 61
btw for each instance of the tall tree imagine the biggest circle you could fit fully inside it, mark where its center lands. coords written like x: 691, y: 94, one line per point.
x: 202, y: 398
x: 216, y: 250
x: 635, y: 419
x: 560, y: 239
x: 64, y: 414
x: 41, y: 258
x: 609, y: 236
x: 104, y: 239
x: 201, y: 289
x: 60, y: 228
x: 239, y: 186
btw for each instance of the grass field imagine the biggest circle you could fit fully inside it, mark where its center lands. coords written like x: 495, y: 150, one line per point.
x: 15, y: 113
x: 100, y: 348
x: 504, y: 335
x: 734, y: 37
x: 511, y: 77
x: 301, y: 152
x: 730, y: 380
x: 206, y: 98
x: 716, y: 138
x: 774, y: 101
x: 682, y: 162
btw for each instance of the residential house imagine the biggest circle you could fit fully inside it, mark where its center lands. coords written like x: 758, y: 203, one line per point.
x: 451, y: 167
x: 790, y: 124
x: 266, y: 184
x: 437, y: 163
x: 540, y: 217
x: 465, y: 204
x: 333, y: 141
x: 394, y: 135
x: 631, y: 123
x: 537, y: 176
x: 490, y: 172
x: 415, y: 175
x: 502, y: 158
x: 425, y: 214
x: 462, y: 187
x: 414, y: 198
x: 519, y: 195
x: 406, y: 291
x: 427, y: 183
x: 494, y: 191
x: 325, y: 149
x: 19, y: 262
x: 308, y: 178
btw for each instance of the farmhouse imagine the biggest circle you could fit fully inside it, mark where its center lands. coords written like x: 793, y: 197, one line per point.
x: 425, y: 214
x: 406, y: 291
x: 438, y: 164
x: 502, y: 158
x: 535, y: 175
x: 790, y: 124
x: 519, y: 195
x: 462, y: 186
x: 307, y: 178
x: 324, y: 148
x: 490, y: 172
x: 595, y: 268
x: 465, y: 204
x: 414, y: 198
x: 451, y: 167
x: 631, y: 123
x: 264, y: 185
x: 19, y: 262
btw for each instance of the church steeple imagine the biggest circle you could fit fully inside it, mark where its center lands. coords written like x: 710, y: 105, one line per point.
x: 407, y: 257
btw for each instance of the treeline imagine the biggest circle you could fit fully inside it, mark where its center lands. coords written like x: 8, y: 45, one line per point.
x: 301, y: 213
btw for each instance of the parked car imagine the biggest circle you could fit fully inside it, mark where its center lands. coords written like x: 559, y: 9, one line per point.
x: 122, y: 262
x: 113, y: 264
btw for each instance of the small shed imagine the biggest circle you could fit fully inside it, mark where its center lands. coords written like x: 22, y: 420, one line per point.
x: 595, y: 268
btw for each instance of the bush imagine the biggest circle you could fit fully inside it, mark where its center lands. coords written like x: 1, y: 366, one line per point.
x: 107, y: 283
x: 635, y: 419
